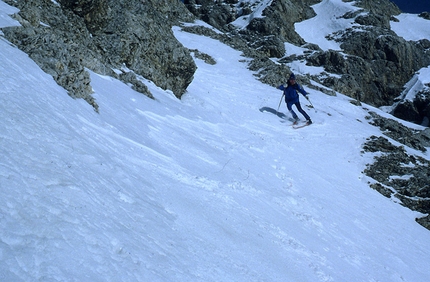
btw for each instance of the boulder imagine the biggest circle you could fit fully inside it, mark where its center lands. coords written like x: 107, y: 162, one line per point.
x: 425, y: 15
x: 417, y: 110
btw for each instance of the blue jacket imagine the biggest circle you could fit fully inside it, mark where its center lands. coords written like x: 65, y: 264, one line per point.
x: 290, y: 92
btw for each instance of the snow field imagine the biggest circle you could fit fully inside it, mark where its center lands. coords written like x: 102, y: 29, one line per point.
x: 207, y: 188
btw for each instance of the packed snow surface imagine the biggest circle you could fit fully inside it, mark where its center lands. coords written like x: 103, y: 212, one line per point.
x: 216, y: 186
x: 5, y: 19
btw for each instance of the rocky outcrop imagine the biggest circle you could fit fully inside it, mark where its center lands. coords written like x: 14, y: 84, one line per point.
x: 131, y: 40
x: 416, y: 110
x: 218, y: 14
x: 416, y: 139
x: 279, y: 18
x: 266, y: 34
x: 398, y: 173
x: 377, y: 63
x: 425, y: 15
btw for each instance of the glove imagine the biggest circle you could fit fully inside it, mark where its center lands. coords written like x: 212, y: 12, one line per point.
x: 307, y: 98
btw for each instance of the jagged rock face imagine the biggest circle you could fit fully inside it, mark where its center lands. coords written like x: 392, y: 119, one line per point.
x: 392, y: 61
x: 418, y: 110
x: 103, y: 35
x: 62, y: 50
x: 399, y: 173
x: 216, y: 13
x: 138, y: 34
x: 280, y: 17
x: 378, y: 64
x: 406, y: 110
x: 425, y: 15
x: 268, y: 33
x: 380, y: 7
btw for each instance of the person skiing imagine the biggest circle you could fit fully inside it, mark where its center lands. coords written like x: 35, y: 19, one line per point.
x: 292, y: 98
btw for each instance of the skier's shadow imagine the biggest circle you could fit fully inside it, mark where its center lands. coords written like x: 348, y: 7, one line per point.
x: 273, y: 111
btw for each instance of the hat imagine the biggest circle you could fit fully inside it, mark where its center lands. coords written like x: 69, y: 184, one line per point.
x: 292, y: 76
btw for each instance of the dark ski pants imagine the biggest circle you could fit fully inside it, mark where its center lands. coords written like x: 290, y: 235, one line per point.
x: 299, y: 108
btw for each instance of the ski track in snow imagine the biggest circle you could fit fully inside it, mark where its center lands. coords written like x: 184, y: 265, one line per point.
x: 207, y: 188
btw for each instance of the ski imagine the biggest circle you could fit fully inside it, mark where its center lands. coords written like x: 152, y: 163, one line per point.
x: 301, y: 126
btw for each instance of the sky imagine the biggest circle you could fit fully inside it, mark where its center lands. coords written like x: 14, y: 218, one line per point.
x: 413, y: 6
x: 217, y: 186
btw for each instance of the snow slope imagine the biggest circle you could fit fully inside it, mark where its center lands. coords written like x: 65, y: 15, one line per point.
x: 5, y: 19
x: 327, y: 21
x: 213, y: 187
x: 402, y: 27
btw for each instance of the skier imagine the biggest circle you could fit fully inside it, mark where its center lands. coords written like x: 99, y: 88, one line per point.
x: 292, y: 98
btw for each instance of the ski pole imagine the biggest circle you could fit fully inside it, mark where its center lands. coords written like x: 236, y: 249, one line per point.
x: 280, y: 101
x: 310, y: 101
x: 307, y: 98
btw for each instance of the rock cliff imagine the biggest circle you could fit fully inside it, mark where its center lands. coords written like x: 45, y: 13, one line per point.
x: 131, y: 40
x: 398, y: 173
